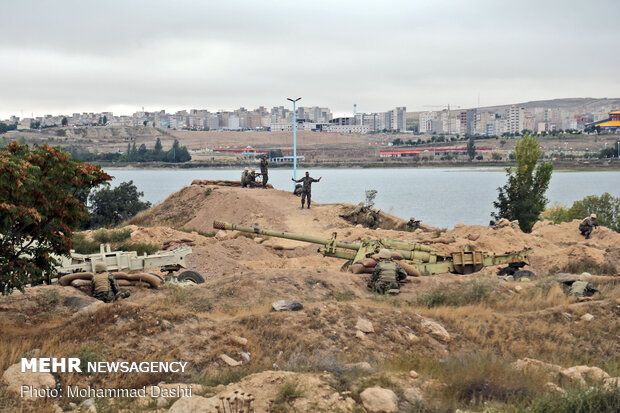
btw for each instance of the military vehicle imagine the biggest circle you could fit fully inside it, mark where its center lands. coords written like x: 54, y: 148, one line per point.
x: 423, y: 258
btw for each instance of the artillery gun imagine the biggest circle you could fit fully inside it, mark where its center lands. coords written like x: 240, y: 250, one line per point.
x: 425, y: 259
x: 127, y: 261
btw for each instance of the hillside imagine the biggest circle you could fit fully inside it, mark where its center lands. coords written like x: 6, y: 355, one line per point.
x: 446, y: 342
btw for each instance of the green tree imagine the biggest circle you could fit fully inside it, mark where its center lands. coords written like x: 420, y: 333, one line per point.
x: 397, y: 142
x: 523, y: 196
x: 471, y: 148
x: 158, y: 151
x: 64, y: 122
x: 124, y: 200
x: 105, y: 120
x: 39, y: 208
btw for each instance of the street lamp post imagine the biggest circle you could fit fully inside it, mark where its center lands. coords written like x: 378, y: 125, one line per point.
x: 294, y: 136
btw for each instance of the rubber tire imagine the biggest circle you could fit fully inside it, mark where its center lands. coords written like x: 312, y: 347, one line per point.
x: 523, y: 273
x: 191, y: 276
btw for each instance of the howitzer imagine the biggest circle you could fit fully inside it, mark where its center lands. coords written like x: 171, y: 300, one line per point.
x: 425, y: 259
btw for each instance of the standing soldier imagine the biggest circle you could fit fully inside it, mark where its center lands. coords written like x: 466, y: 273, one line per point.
x: 587, y: 225
x: 264, y: 171
x: 387, y: 275
x: 244, y: 177
x: 372, y: 218
x: 306, y: 190
x: 104, y: 286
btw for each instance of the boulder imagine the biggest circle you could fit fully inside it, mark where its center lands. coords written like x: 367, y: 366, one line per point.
x: 364, y: 325
x: 412, y: 395
x: 14, y: 379
x: 529, y: 364
x: 377, y: 399
x: 242, y: 341
x: 413, y: 374
x: 287, y: 305
x: 612, y: 383
x: 360, y: 335
x: 579, y: 374
x: 229, y: 360
x: 362, y: 367
x: 587, y: 317
x: 436, y: 330
x: 554, y: 388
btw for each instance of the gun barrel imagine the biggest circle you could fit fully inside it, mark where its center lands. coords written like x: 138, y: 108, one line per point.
x: 288, y: 235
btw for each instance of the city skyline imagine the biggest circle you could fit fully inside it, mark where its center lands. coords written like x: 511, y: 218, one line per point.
x: 68, y: 56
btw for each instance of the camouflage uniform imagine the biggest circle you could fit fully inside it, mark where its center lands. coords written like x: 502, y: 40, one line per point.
x: 244, y: 178
x: 306, y: 189
x: 582, y: 289
x: 264, y: 171
x: 386, y: 276
x: 105, y: 288
x: 355, y: 213
x: 251, y: 180
x: 587, y: 226
x: 371, y: 218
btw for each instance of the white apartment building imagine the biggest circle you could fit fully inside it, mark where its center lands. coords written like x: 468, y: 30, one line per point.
x: 516, y: 119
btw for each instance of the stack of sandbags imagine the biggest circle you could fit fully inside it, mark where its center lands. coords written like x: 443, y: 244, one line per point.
x: 367, y: 265
x: 83, y: 279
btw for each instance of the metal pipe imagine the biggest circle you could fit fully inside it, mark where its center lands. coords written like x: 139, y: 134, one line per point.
x: 287, y: 235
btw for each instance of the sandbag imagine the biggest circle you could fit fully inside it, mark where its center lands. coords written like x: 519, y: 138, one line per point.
x: 358, y: 268
x: 66, y: 279
x: 141, y: 284
x: 80, y: 283
x: 153, y: 280
x: 409, y: 269
x: 124, y: 283
x: 368, y: 262
x: 396, y: 255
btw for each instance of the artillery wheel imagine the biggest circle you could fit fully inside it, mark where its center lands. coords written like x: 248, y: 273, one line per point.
x: 523, y: 273
x: 191, y: 276
x: 345, y: 266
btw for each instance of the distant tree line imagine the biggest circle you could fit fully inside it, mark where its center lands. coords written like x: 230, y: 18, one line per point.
x: 4, y: 128
x: 176, y: 154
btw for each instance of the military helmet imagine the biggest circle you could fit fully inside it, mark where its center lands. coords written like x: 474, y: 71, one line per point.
x: 101, y: 267
x: 593, y: 216
x: 246, y: 169
x: 361, y: 204
x: 253, y: 169
x: 385, y: 253
x: 412, y: 219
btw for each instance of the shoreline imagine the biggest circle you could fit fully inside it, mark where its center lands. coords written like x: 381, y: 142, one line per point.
x: 613, y: 165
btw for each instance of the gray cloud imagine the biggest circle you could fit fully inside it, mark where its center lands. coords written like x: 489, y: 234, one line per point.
x: 65, y: 56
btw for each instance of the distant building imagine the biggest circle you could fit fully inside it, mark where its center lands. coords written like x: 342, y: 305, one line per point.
x: 611, y: 124
x: 516, y: 119
x: 467, y: 122
x: 399, y: 119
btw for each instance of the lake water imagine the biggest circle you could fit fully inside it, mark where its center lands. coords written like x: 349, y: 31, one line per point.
x: 440, y: 197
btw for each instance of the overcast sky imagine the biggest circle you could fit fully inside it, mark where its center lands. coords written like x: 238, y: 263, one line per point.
x: 59, y: 57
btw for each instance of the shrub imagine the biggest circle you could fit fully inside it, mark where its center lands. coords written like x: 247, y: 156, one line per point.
x: 140, y: 247
x: 589, y: 265
x: 473, y: 292
x: 83, y: 246
x: 578, y: 400
x: 103, y: 236
x: 606, y: 207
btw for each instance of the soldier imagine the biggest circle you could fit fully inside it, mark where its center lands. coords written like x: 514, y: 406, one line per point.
x: 581, y: 289
x: 587, y: 225
x: 306, y: 190
x: 252, y: 179
x: 387, y: 275
x: 264, y: 171
x: 412, y: 225
x: 372, y: 218
x: 104, y: 286
x: 244, y: 177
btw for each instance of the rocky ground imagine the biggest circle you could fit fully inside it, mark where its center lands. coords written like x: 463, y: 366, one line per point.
x: 447, y: 342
